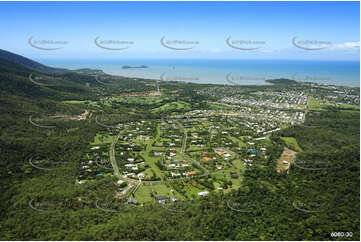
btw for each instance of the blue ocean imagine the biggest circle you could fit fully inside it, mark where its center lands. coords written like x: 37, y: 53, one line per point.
x: 220, y: 71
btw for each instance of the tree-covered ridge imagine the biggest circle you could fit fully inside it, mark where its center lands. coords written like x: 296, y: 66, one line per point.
x: 27, y: 63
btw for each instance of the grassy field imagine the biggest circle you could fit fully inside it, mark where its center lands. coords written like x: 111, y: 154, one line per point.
x: 239, y: 164
x: 74, y: 101
x: 354, y: 107
x: 100, y: 139
x: 151, y: 160
x: 143, y: 194
x: 236, y: 182
x: 315, y: 104
x: 173, y: 106
x: 81, y: 102
x: 139, y: 100
x: 292, y: 143
x: 239, y: 142
x: 318, y: 104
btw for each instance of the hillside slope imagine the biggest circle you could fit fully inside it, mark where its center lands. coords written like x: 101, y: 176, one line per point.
x: 30, y: 64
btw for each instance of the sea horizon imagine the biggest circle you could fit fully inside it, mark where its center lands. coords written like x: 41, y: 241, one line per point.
x: 223, y: 71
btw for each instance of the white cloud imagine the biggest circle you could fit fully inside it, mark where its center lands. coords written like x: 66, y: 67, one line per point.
x: 346, y: 45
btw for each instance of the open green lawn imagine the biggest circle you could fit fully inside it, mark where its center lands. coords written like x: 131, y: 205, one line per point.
x: 292, y: 143
x: 143, y: 194
x: 173, y: 106
x: 317, y: 104
x: 236, y: 182
x: 100, y: 139
x: 139, y: 100
x: 151, y: 162
x: 148, y: 172
x: 238, y: 163
x: 239, y: 142
x: 354, y: 107
x: 149, y: 159
x: 74, y: 101
x: 81, y: 102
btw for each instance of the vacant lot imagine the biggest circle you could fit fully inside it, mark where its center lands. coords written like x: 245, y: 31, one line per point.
x: 287, y: 155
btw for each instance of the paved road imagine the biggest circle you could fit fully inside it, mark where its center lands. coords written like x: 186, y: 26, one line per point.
x: 184, y: 137
x: 113, y: 161
x: 196, y: 163
x: 112, y: 156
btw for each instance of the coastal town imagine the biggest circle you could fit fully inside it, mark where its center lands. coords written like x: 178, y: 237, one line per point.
x: 193, y: 152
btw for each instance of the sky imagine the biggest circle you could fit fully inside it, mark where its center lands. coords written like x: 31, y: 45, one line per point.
x: 255, y: 30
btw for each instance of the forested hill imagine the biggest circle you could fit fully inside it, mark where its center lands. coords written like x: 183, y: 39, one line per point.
x: 30, y: 64
x: 16, y: 79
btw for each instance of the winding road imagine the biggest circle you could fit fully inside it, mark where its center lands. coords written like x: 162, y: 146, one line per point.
x: 195, y: 163
x: 132, y: 183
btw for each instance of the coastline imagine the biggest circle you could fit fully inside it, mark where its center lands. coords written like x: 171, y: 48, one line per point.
x: 241, y: 72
